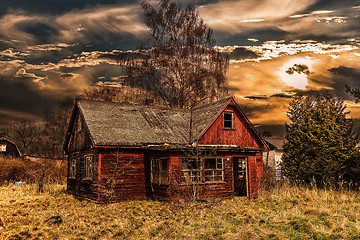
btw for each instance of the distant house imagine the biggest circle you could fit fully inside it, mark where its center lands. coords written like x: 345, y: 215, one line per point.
x: 7, y: 147
x: 273, y: 158
x: 118, y: 152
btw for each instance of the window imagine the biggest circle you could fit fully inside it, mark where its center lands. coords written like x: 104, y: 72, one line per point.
x: 72, y: 168
x: 202, y: 169
x: 214, y: 170
x: 88, y: 167
x: 190, y: 170
x: 160, y: 171
x: 2, y: 148
x: 228, y: 120
x: 242, y: 168
x: 80, y: 124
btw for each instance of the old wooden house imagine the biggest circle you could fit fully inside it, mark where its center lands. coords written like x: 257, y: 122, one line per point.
x: 273, y: 157
x: 120, y: 152
x: 7, y: 147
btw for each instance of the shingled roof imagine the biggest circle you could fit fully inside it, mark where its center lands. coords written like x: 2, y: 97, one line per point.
x: 113, y: 124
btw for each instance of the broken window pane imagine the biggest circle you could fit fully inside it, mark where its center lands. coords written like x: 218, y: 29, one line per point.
x: 160, y: 171
x: 190, y: 170
x: 214, y: 169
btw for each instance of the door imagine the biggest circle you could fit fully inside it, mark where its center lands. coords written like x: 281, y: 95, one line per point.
x: 240, y: 176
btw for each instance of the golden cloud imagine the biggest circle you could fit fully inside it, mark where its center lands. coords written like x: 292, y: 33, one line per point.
x: 264, y: 86
x: 232, y: 15
x: 10, y: 31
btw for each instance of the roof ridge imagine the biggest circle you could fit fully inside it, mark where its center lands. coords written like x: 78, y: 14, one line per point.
x: 212, y: 103
x: 159, y: 107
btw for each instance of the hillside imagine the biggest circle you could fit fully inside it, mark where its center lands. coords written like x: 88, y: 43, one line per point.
x: 288, y: 213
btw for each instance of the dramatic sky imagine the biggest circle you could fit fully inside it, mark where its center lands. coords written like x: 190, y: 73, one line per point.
x: 50, y: 50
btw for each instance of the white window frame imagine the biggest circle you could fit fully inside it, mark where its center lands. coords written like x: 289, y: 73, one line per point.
x: 2, y: 148
x: 242, y: 167
x: 191, y: 175
x: 226, y: 120
x: 211, y: 173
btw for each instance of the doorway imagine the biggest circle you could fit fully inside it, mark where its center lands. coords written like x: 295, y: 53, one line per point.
x: 240, y: 176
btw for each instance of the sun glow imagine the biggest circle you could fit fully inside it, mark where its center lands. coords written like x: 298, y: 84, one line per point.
x: 295, y: 80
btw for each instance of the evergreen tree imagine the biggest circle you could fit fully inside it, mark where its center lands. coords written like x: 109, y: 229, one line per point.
x: 320, y: 142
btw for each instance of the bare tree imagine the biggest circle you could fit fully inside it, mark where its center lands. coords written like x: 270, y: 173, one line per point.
x: 54, y: 129
x: 181, y: 67
x: 26, y: 132
x: 123, y: 94
x: 39, y: 172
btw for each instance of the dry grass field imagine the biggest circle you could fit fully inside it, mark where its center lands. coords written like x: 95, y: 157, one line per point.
x: 285, y: 213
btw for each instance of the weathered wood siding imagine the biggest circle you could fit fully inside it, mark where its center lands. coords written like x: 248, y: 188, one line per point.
x: 241, y: 135
x: 204, y: 190
x: 121, y: 175
x: 255, y: 177
x: 11, y: 149
x: 79, y: 138
x: 79, y: 147
x: 177, y: 190
x: 80, y: 186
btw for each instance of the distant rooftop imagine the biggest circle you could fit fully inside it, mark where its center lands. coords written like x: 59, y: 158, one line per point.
x: 275, y: 142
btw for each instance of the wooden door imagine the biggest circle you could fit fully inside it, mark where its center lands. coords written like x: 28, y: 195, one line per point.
x: 240, y: 176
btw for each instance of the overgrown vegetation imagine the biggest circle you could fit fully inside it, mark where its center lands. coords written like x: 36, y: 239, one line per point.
x: 39, y: 172
x: 285, y: 213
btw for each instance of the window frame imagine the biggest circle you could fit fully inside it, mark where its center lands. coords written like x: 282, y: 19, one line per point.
x: 80, y: 124
x: 161, y: 173
x: 72, y: 168
x: 227, y: 121
x: 88, y: 167
x: 218, y: 161
x: 243, y: 168
x: 2, y: 147
x: 199, y: 175
x: 191, y: 175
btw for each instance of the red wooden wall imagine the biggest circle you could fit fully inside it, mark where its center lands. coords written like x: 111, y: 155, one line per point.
x: 241, y: 135
x: 255, y: 177
x: 121, y: 176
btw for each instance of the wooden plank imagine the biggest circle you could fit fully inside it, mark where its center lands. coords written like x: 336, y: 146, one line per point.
x: 122, y: 176
x: 240, y: 136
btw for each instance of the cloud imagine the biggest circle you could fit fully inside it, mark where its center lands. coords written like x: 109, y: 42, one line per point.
x: 330, y: 25
x: 8, y: 116
x: 257, y: 97
x: 112, y: 25
x: 240, y: 53
x: 12, y: 29
x: 100, y: 23
x: 298, y: 68
x: 25, y: 76
x: 283, y: 95
x: 237, y: 16
x: 263, y: 20
x: 56, y: 6
x: 264, y: 87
